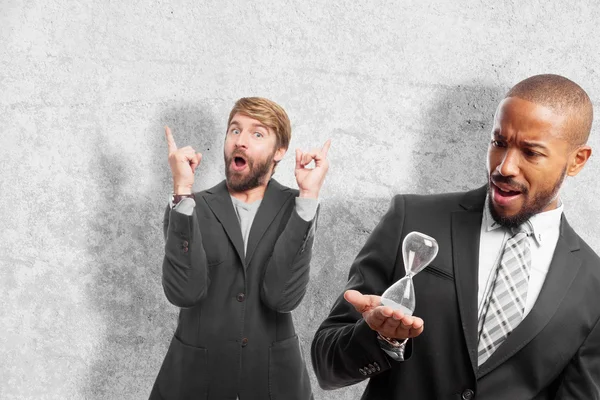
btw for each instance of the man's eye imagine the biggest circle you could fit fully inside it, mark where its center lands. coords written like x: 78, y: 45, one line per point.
x: 258, y: 134
x: 496, y: 143
x: 530, y: 153
x: 235, y: 131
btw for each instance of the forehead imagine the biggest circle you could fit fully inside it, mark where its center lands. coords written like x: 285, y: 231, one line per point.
x: 243, y: 120
x: 529, y: 120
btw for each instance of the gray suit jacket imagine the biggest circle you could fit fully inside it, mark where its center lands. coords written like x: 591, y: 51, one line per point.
x: 235, y: 334
x: 553, y: 354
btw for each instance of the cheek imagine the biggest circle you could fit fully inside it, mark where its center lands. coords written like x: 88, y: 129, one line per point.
x: 261, y: 150
x: 228, y: 145
x: 537, y: 180
x: 541, y: 179
x: 540, y: 171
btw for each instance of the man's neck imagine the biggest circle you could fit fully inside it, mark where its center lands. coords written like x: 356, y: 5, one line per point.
x: 251, y: 195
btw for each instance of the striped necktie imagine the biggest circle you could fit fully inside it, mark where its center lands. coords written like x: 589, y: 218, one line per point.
x: 505, y: 305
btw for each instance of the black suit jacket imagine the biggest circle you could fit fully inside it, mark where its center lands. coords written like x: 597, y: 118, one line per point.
x: 235, y: 334
x: 553, y: 354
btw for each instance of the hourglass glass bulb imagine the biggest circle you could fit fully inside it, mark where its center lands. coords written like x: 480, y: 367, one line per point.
x: 418, y: 250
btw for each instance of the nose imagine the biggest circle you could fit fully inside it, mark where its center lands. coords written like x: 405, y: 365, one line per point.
x: 241, y: 140
x: 510, y: 164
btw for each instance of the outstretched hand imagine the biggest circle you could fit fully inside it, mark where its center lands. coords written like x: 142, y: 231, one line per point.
x: 383, y: 319
x: 310, y: 180
x: 183, y: 163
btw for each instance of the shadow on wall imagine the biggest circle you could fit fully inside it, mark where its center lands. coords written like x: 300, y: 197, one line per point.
x: 126, y: 238
x: 450, y: 155
x: 127, y: 247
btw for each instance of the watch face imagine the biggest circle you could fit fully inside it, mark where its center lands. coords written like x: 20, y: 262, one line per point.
x: 388, y: 341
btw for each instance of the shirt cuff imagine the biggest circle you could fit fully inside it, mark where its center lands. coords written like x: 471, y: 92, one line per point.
x: 395, y: 353
x: 185, y: 206
x: 306, y: 208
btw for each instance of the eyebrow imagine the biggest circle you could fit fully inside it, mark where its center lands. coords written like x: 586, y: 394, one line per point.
x: 236, y: 123
x: 498, y: 135
x: 535, y: 145
x: 525, y: 143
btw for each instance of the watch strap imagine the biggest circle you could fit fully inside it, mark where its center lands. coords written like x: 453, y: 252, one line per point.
x: 176, y: 198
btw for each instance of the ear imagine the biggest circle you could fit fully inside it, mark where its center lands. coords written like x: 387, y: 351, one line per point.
x: 578, y: 159
x: 279, y: 153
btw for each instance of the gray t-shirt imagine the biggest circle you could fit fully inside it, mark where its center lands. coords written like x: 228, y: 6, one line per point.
x: 245, y: 213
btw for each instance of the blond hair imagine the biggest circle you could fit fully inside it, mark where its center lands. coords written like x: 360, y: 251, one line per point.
x: 269, y: 113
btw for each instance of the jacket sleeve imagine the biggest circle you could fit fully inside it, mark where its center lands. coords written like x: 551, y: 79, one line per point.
x: 345, y: 350
x: 581, y: 378
x: 287, y: 272
x: 184, y: 271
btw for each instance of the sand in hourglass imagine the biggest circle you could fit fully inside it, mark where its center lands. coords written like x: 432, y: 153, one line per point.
x: 418, y: 250
x: 395, y: 306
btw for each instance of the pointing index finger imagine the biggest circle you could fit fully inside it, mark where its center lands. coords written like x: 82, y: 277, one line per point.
x: 170, y: 140
x: 325, y: 148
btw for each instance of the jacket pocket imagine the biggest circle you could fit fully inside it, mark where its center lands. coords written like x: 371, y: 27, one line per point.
x: 215, y: 242
x: 439, y: 272
x: 288, y: 377
x: 183, y: 374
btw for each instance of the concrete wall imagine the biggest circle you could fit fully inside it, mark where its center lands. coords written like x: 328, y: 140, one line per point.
x: 406, y: 90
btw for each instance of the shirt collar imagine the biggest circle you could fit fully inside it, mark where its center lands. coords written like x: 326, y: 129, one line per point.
x: 540, y: 223
x: 245, y: 206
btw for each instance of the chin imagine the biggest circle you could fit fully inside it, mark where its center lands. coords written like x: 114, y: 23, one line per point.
x: 507, y: 217
x: 503, y: 211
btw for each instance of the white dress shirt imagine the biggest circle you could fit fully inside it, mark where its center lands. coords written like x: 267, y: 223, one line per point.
x: 493, y: 236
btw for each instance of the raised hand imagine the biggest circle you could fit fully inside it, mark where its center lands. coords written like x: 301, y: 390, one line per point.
x: 385, y: 320
x: 310, y: 180
x: 183, y: 163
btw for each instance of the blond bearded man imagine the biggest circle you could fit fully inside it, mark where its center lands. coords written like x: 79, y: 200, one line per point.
x: 237, y: 259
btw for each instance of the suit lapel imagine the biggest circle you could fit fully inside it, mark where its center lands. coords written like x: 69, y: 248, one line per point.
x: 219, y: 201
x: 275, y: 198
x: 562, y: 271
x: 466, y: 227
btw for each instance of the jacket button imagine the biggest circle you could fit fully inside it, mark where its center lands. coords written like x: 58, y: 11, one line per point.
x: 468, y: 394
x: 185, y: 243
x: 185, y: 249
x: 244, y: 342
x: 240, y: 297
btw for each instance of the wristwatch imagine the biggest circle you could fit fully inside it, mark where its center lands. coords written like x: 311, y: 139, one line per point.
x: 176, y: 198
x: 391, y: 342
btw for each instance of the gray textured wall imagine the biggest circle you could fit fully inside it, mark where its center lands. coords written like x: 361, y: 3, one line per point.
x: 405, y: 89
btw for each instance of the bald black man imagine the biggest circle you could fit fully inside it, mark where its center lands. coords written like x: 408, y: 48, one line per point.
x: 509, y: 308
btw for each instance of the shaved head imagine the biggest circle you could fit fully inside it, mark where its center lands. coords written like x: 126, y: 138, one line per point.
x: 563, y: 97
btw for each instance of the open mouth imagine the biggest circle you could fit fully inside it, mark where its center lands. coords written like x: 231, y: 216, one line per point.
x: 507, y: 192
x: 239, y: 163
x: 504, y: 194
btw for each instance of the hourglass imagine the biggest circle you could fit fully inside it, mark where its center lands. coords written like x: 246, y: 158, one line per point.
x: 418, y: 250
